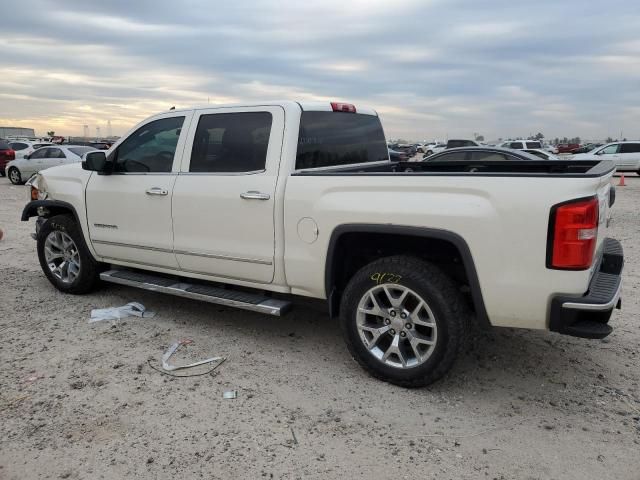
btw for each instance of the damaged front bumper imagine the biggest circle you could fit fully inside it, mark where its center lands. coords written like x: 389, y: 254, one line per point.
x: 587, y: 316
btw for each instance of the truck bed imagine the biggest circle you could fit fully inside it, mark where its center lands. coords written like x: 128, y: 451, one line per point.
x: 542, y: 168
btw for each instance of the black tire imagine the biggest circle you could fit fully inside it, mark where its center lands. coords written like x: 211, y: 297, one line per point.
x: 2, y: 174
x: 14, y: 176
x: 437, y: 290
x: 89, y: 275
x: 429, y: 152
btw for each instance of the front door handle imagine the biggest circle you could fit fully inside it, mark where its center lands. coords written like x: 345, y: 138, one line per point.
x: 253, y: 195
x: 157, y: 191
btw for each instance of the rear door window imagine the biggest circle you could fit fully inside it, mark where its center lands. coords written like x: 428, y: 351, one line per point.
x: 534, y: 145
x: 328, y: 139
x: 17, y: 146
x: 630, y: 148
x: 515, y: 145
x: 231, y: 142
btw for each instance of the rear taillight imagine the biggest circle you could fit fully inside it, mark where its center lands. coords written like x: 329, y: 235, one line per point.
x: 8, y: 154
x: 343, y: 107
x: 573, y: 231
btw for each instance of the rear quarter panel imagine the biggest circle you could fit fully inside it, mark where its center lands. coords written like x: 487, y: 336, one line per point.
x: 504, y: 221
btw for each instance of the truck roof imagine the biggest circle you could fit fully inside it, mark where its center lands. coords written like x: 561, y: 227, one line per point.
x: 315, y: 106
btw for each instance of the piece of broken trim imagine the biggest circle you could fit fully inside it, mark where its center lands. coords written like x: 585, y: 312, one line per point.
x: 131, y: 309
x: 172, y: 349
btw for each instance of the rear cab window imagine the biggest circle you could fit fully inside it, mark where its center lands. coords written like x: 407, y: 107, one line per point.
x: 330, y: 139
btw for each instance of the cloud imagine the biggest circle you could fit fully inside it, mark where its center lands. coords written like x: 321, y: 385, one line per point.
x: 432, y: 69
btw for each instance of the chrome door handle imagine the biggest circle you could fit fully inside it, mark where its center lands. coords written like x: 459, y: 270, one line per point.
x: 253, y: 195
x: 157, y: 191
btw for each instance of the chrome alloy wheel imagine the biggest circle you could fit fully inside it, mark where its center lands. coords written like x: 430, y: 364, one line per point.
x: 62, y: 256
x: 396, y: 326
x: 14, y: 176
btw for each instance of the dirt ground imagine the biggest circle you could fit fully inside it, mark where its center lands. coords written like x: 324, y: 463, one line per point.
x: 80, y: 400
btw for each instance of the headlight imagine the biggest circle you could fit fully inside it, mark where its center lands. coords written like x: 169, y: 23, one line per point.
x: 37, y: 187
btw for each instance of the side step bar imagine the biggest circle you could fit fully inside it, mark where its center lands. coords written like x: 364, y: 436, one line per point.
x: 207, y: 293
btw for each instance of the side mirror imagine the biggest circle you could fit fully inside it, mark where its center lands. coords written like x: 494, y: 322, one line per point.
x: 27, y: 157
x: 95, y: 162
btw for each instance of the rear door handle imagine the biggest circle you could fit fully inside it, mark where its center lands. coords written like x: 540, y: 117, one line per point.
x: 253, y: 195
x: 157, y: 191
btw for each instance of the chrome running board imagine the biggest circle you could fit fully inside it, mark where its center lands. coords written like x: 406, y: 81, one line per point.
x: 207, y: 293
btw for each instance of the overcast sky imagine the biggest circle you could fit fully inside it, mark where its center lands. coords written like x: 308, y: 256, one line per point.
x: 432, y: 69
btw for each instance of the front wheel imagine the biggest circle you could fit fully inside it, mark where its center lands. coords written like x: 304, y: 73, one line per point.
x: 64, y: 256
x: 404, y: 320
x: 14, y: 176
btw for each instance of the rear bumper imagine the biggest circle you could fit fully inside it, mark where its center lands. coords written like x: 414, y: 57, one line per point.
x: 587, y: 316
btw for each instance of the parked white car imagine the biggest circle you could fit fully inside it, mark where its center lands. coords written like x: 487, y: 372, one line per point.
x: 522, y: 144
x: 538, y: 152
x: 625, y: 155
x: 435, y: 148
x: 25, y: 147
x: 20, y: 169
x: 301, y: 199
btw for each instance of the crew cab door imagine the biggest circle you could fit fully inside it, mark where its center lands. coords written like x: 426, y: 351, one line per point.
x: 223, y: 201
x: 129, y: 211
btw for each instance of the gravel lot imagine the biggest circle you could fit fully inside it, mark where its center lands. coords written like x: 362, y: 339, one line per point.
x: 79, y: 400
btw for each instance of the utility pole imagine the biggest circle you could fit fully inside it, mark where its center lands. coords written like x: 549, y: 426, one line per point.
x: 109, y: 131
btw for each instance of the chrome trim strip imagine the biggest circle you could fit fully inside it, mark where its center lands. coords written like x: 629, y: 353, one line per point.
x: 128, y: 245
x: 224, y: 174
x: 270, y: 306
x: 595, y: 307
x: 339, y: 167
x: 223, y: 257
x: 144, y: 173
x: 184, y: 252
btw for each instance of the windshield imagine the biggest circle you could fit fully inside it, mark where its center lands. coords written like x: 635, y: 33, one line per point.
x: 329, y: 139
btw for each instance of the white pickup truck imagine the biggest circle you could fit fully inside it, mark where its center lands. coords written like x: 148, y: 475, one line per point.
x: 250, y: 205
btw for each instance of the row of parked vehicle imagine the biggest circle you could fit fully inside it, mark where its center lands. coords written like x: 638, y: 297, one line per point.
x: 20, y: 159
x: 625, y: 155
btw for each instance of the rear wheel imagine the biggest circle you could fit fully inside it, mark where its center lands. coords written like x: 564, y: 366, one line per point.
x: 14, y: 176
x: 404, y: 320
x: 64, y: 256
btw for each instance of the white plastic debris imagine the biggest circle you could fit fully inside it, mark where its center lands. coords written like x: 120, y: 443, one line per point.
x: 230, y: 394
x: 172, y: 349
x: 132, y: 309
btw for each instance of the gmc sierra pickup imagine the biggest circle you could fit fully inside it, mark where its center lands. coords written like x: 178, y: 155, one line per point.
x: 248, y: 205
